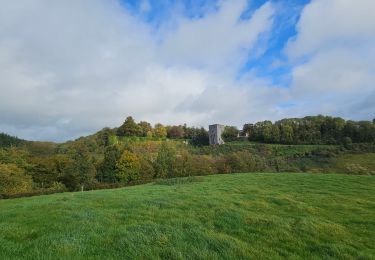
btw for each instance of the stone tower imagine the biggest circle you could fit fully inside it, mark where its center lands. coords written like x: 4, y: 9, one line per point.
x: 214, y: 132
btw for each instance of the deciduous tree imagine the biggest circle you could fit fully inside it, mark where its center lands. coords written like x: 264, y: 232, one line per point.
x: 129, y: 128
x: 164, y: 164
x: 230, y: 133
x: 199, y: 137
x: 128, y: 167
x: 13, y: 180
x: 159, y: 131
x: 175, y: 132
x: 146, y: 128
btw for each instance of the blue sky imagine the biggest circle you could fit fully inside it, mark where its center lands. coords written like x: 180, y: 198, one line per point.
x: 70, y: 68
x: 283, y: 29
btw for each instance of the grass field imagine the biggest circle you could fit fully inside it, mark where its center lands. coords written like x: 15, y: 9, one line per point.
x: 234, y: 216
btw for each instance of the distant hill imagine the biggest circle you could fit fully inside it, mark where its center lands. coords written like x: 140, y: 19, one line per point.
x: 8, y: 140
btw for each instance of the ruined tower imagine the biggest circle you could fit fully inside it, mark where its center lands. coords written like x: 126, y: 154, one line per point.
x: 214, y: 132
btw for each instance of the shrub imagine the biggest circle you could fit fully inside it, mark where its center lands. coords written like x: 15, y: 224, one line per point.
x: 353, y: 168
x: 200, y: 165
x: 347, y: 142
x: 128, y: 167
x: 230, y: 133
x: 199, y: 137
x: 57, y: 187
x: 222, y: 165
x: 147, y: 171
x: 13, y: 180
x: 165, y: 161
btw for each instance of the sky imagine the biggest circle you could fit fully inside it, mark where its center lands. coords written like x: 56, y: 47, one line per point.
x: 70, y: 68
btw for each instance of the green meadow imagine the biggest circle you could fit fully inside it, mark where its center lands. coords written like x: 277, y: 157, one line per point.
x: 235, y: 216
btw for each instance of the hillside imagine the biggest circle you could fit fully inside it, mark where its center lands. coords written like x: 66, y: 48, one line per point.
x: 223, y: 216
x: 137, y: 152
x: 8, y: 140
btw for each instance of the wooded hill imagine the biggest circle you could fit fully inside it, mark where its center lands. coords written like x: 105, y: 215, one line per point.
x: 137, y: 152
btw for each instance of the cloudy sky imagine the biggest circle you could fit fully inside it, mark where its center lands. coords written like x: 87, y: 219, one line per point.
x: 71, y: 67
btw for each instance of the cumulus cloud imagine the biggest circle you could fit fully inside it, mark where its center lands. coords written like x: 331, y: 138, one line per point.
x: 324, y: 25
x: 220, y: 39
x: 145, y: 6
x: 69, y: 68
x: 334, y: 58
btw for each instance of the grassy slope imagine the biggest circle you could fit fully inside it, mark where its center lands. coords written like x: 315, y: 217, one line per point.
x: 223, y: 216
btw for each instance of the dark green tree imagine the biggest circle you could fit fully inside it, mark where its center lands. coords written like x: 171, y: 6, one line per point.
x: 146, y: 128
x: 80, y: 173
x: 366, y: 132
x: 7, y: 140
x: 103, y: 136
x: 275, y: 134
x: 188, y: 131
x: 129, y: 128
x: 331, y: 130
x: 265, y: 134
x: 107, y: 169
x: 199, y: 136
x: 43, y: 172
x: 287, y: 134
x: 351, y: 129
x: 175, y: 132
x: 248, y: 129
x: 347, y: 142
x: 230, y: 133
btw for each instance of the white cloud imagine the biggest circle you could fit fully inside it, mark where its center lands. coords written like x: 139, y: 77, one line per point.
x: 69, y: 68
x: 334, y: 57
x: 339, y: 70
x: 325, y: 25
x: 220, y: 39
x: 145, y: 6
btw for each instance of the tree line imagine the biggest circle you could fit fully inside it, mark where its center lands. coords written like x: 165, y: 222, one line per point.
x: 312, y: 130
x: 195, y: 135
x: 85, y: 164
x: 8, y: 140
